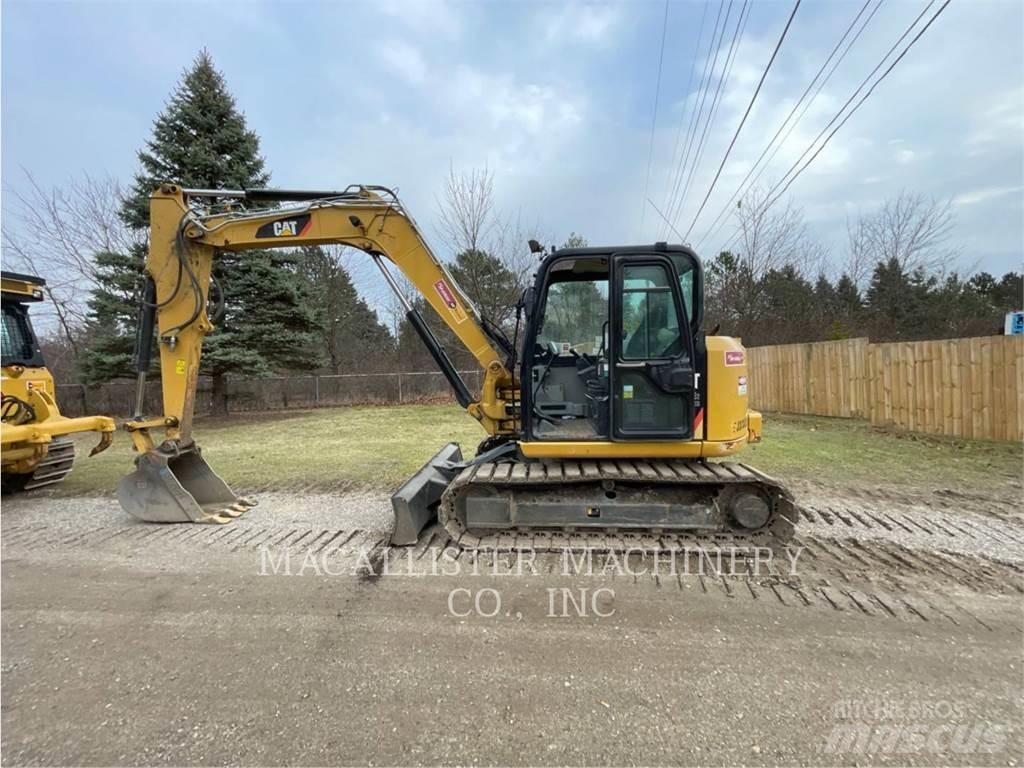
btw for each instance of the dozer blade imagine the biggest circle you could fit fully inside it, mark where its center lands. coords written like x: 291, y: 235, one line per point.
x: 178, y: 488
x: 415, y: 503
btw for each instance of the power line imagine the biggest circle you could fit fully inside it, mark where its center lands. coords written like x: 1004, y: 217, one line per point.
x: 849, y: 101
x: 866, y: 95
x: 654, y: 117
x: 710, y: 65
x: 686, y: 93
x: 695, y: 114
x: 665, y: 219
x: 715, y: 102
x: 746, y: 114
x: 773, y: 198
x: 772, y: 143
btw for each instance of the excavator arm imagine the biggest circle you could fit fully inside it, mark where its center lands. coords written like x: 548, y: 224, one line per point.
x: 172, y: 482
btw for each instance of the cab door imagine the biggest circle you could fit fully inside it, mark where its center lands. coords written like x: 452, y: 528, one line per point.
x: 652, y: 379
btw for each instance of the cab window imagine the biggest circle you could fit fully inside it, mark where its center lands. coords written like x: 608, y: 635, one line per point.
x: 685, y: 267
x: 650, y: 322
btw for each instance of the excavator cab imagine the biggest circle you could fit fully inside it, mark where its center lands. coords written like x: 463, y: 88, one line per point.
x: 613, y: 352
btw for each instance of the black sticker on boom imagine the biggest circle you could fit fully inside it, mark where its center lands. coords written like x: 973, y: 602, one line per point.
x: 293, y: 226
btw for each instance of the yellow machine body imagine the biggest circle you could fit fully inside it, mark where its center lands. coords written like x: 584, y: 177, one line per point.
x: 34, y: 447
x: 173, y: 483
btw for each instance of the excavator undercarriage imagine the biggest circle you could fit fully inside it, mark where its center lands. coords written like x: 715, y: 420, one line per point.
x: 600, y: 505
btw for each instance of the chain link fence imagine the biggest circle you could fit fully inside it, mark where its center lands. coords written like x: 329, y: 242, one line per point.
x: 117, y: 398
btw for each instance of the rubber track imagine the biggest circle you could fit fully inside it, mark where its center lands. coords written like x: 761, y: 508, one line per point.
x: 777, y: 531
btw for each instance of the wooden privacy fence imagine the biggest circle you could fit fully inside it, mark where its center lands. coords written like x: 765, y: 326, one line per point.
x: 961, y: 387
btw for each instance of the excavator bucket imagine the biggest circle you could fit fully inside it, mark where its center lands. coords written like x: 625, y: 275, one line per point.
x: 178, y: 488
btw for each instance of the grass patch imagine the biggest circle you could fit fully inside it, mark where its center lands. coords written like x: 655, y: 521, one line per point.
x: 380, y: 447
x: 845, y: 451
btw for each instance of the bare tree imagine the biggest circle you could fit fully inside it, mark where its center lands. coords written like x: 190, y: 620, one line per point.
x: 911, y: 228
x: 509, y: 244
x: 859, y: 263
x: 55, y: 233
x: 773, y: 236
x: 466, y: 216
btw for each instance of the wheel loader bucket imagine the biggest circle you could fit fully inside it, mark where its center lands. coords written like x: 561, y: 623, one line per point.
x: 178, y: 488
x: 415, y: 503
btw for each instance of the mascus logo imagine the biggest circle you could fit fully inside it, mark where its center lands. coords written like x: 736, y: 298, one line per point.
x: 293, y: 226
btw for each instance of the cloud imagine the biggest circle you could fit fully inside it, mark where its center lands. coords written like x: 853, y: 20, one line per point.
x: 436, y: 18
x: 984, y: 194
x: 593, y: 24
x: 530, y: 108
x: 404, y: 60
x: 1001, y: 123
x: 556, y: 98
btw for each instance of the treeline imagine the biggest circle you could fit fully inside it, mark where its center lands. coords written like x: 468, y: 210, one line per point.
x: 895, y: 280
x: 299, y: 311
x: 784, y: 307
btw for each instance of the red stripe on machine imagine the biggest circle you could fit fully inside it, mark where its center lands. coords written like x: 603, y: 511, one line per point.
x: 698, y: 420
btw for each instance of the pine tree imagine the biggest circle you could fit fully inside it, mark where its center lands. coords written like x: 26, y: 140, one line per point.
x: 352, y: 335
x: 849, y: 308
x: 111, y: 340
x: 788, y: 309
x: 201, y: 140
x: 413, y: 354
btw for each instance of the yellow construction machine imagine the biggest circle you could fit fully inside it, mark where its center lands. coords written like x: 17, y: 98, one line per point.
x: 601, y: 420
x: 36, y: 447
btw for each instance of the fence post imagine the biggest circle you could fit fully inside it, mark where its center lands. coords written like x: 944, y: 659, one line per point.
x: 399, y: 387
x: 316, y: 390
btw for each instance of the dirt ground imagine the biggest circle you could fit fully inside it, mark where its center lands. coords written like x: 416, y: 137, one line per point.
x: 278, y: 639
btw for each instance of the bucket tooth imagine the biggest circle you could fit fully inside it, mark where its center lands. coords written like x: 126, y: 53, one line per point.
x: 177, y: 488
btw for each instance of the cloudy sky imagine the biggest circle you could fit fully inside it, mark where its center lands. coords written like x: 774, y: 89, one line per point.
x: 557, y: 99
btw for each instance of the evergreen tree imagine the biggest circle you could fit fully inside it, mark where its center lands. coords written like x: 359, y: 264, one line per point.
x: 788, y: 312
x: 848, y: 308
x: 201, y: 140
x: 413, y: 354
x: 489, y: 283
x: 731, y: 296
x: 112, y: 309
x: 899, y: 303
x: 353, y: 338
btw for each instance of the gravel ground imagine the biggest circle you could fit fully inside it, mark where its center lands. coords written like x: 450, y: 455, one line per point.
x: 131, y: 644
x: 367, y: 510
x: 962, y: 528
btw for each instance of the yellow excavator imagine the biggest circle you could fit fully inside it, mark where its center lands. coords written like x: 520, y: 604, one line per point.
x: 34, y: 436
x: 601, y: 422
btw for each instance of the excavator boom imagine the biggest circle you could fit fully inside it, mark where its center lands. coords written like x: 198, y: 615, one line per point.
x: 172, y: 481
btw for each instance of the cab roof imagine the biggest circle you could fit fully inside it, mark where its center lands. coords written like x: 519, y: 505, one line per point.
x: 21, y: 287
